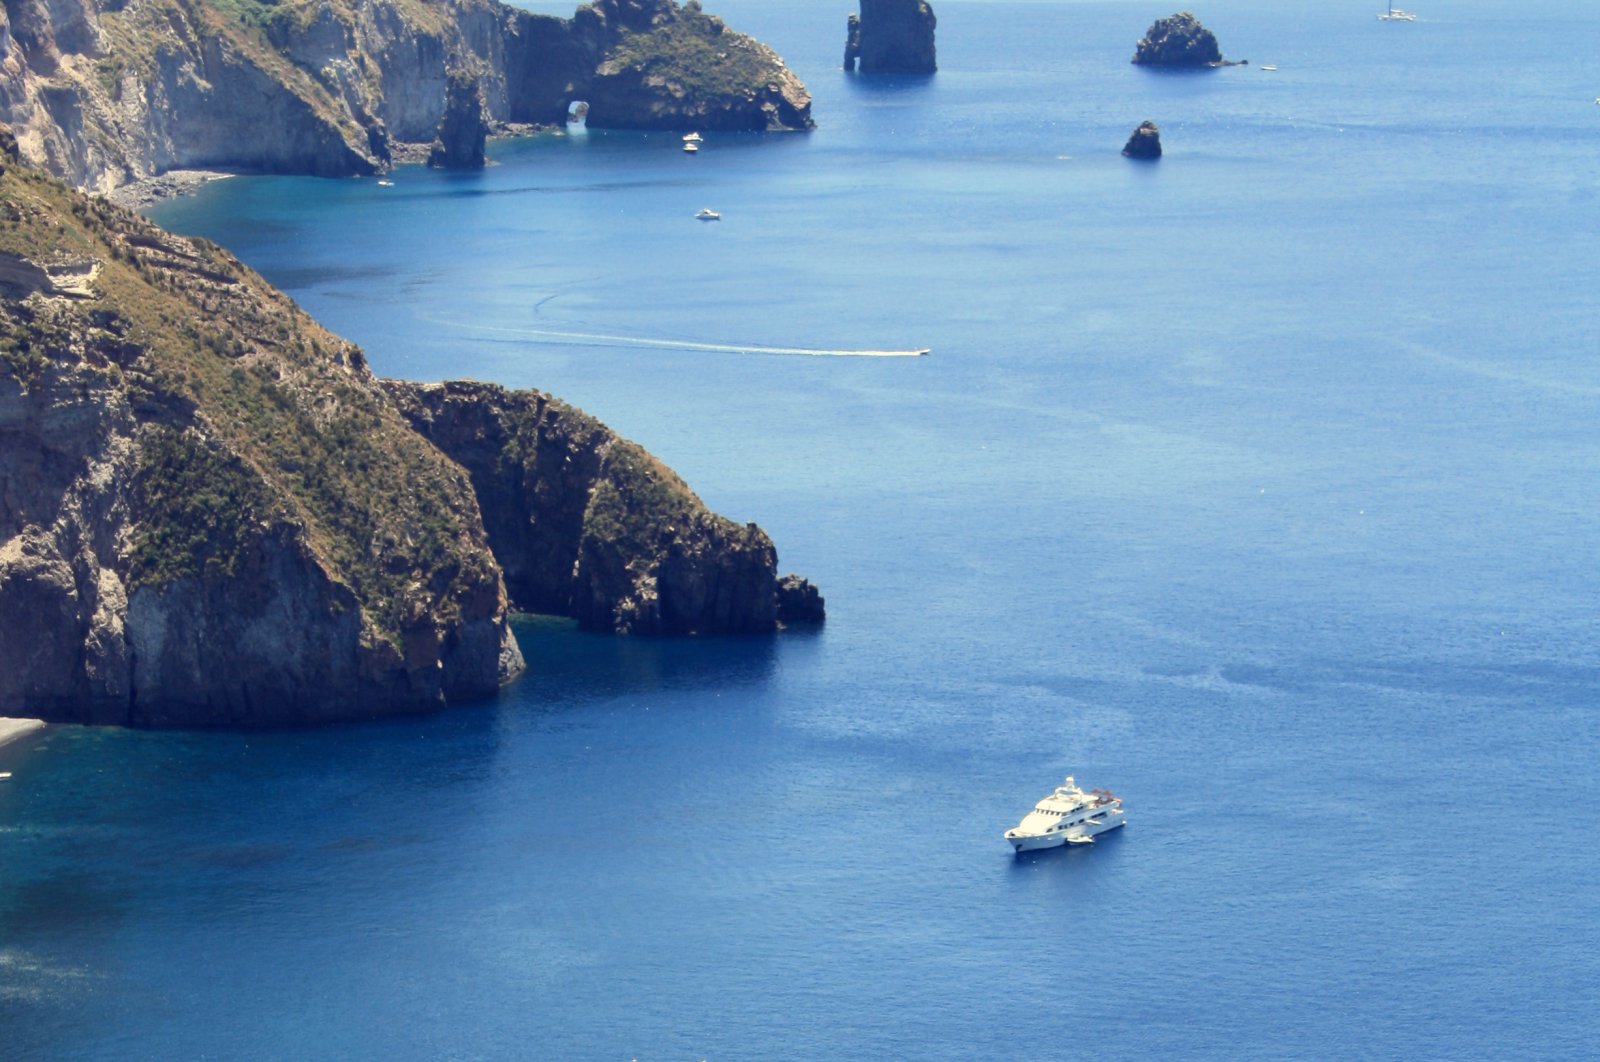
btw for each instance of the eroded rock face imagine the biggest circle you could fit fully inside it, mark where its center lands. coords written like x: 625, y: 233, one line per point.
x: 1178, y: 40
x: 892, y: 37
x: 1145, y: 143
x: 210, y: 513
x: 588, y: 525
x: 463, y: 131
x: 102, y: 92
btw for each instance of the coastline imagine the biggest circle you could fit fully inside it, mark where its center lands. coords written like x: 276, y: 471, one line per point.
x: 136, y: 195
x: 173, y: 184
x: 12, y: 729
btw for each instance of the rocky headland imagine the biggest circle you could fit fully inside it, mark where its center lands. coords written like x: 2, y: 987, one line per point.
x: 105, y: 92
x: 1179, y: 41
x: 891, y: 37
x: 589, y: 525
x: 213, y: 514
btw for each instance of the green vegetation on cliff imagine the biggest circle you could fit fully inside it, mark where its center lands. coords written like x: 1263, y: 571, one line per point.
x: 696, y: 56
x: 255, y: 413
x: 200, y: 508
x: 635, y: 500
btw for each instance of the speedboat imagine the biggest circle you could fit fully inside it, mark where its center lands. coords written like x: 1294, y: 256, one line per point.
x: 708, y: 215
x: 384, y: 182
x: 1269, y: 66
x: 1069, y: 815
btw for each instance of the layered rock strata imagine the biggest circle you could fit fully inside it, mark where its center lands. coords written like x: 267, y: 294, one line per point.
x: 1145, y: 143
x: 212, y: 514
x: 1178, y: 40
x: 892, y: 37
x: 104, y: 92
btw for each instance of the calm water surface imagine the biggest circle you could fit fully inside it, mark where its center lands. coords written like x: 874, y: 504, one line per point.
x: 1259, y: 484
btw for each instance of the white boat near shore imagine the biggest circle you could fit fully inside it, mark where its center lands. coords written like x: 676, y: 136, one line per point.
x: 1394, y: 14
x: 1069, y: 815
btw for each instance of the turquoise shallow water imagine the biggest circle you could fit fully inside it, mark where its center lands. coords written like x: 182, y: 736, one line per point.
x: 1257, y: 484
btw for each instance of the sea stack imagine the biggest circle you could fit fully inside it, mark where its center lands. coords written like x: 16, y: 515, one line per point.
x: 1145, y: 143
x: 463, y: 129
x: 892, y: 37
x: 1178, y: 40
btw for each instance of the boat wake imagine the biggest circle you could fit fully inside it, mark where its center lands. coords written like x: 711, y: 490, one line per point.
x: 600, y: 339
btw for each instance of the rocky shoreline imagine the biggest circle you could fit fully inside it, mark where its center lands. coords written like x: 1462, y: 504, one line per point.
x: 174, y: 184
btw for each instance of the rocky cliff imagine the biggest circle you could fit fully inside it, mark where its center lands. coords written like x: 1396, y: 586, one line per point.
x: 103, y: 92
x: 464, y: 129
x: 211, y: 513
x: 892, y: 37
x: 589, y: 525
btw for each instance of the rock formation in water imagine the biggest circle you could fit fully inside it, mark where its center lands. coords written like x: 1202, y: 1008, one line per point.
x: 892, y: 37
x: 1178, y: 40
x: 104, y: 92
x: 211, y: 513
x: 464, y: 130
x: 1145, y: 143
x: 586, y: 524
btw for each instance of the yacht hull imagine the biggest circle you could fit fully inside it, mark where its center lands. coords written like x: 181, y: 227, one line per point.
x: 1080, y: 834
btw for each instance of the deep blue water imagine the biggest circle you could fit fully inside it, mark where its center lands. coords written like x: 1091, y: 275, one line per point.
x: 1259, y: 484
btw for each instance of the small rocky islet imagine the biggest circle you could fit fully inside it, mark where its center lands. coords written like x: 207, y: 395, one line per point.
x: 1179, y: 41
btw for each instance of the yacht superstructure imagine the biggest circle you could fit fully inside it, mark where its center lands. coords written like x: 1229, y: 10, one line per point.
x: 1069, y: 815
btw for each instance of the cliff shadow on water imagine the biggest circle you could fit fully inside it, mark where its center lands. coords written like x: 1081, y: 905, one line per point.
x: 573, y: 666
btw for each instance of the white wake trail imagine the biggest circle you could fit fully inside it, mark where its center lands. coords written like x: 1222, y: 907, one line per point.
x: 684, y: 344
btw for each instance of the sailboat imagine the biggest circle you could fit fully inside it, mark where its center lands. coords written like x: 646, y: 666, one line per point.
x: 1394, y: 14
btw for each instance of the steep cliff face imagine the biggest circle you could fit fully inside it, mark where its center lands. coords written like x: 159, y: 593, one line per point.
x: 102, y: 92
x: 892, y: 37
x: 463, y: 131
x: 210, y: 513
x: 588, y: 525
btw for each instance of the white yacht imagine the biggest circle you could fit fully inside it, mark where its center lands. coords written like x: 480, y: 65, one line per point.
x: 692, y: 138
x: 690, y: 146
x: 1069, y: 815
x: 1394, y: 14
x: 708, y: 215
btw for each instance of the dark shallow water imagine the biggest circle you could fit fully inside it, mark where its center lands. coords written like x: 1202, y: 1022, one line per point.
x: 1258, y: 484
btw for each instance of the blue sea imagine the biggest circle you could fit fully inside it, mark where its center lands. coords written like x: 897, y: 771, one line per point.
x: 1260, y: 484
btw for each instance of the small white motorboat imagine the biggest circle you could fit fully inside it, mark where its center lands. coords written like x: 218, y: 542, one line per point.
x: 692, y: 138
x: 690, y: 147
x: 384, y: 182
x: 1269, y: 66
x: 708, y: 215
